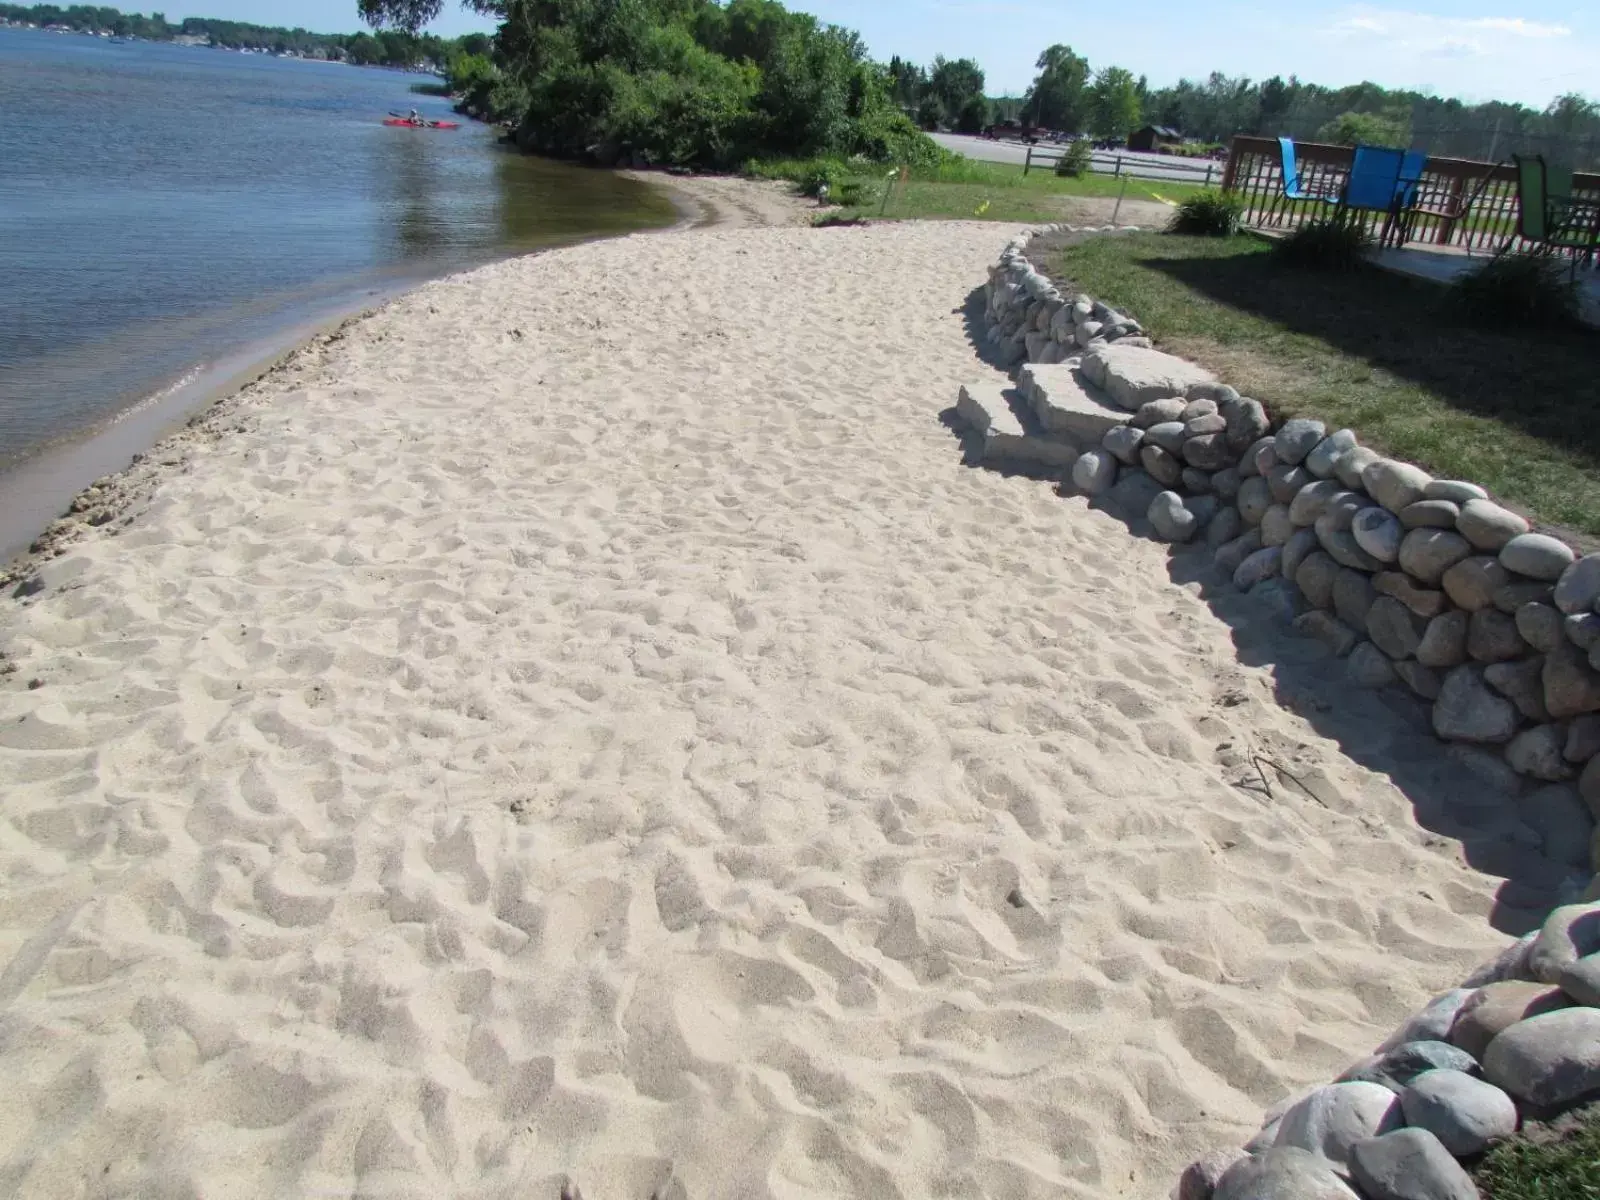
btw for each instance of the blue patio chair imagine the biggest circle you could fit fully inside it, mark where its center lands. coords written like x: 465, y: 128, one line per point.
x: 1294, y: 187
x: 1377, y: 183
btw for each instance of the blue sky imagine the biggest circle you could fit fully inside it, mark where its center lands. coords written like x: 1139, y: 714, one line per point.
x: 1473, y: 49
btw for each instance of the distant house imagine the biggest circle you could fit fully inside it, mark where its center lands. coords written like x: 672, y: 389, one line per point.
x: 1154, y: 137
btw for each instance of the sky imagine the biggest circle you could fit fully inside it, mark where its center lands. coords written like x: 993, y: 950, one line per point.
x: 1472, y: 49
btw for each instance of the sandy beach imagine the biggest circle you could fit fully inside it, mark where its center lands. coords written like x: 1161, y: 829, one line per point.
x: 583, y: 722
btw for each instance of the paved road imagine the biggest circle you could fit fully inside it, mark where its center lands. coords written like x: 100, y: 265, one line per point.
x: 1145, y: 166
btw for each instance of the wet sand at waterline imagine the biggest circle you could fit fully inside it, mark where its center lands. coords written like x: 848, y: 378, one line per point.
x: 583, y: 721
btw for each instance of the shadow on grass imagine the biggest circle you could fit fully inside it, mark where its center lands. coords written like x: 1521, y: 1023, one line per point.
x: 1544, y: 382
x: 1466, y: 796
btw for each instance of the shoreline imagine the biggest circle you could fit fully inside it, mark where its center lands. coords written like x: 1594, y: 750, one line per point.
x: 49, y: 497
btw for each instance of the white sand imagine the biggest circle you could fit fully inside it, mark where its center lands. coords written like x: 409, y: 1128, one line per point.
x: 584, y: 721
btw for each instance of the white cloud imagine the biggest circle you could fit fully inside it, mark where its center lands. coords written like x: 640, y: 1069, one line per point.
x: 1425, y: 29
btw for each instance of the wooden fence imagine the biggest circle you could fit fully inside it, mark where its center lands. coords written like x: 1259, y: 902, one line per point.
x: 1460, y: 202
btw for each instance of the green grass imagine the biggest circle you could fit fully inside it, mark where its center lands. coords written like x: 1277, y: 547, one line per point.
x: 1520, y: 1169
x: 1387, y: 356
x: 963, y: 189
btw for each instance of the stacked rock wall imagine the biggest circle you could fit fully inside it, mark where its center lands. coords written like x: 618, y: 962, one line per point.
x: 1416, y: 582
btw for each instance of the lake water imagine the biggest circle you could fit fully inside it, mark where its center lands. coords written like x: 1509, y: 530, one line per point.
x: 164, y: 209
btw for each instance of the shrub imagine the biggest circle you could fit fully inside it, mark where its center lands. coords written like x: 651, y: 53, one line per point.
x: 1521, y: 289
x: 1077, y: 160
x: 1208, y: 214
x: 822, y: 174
x: 1331, y: 244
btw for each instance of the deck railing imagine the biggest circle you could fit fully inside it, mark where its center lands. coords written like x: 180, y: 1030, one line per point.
x: 1460, y: 202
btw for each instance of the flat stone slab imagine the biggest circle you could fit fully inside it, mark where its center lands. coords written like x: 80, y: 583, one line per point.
x: 986, y: 407
x: 1067, y: 404
x: 1133, y: 375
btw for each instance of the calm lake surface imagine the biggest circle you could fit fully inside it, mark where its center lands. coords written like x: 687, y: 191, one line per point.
x: 165, y: 208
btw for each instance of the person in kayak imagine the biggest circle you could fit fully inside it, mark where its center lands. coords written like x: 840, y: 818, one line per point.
x: 416, y: 118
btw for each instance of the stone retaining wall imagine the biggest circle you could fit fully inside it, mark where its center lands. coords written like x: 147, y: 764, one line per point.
x: 1417, y: 583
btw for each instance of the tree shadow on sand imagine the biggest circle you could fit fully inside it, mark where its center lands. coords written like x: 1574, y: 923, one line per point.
x: 1389, y: 732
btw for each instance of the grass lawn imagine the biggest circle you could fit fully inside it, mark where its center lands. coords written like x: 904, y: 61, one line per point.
x: 1515, y: 410
x: 1562, y: 1168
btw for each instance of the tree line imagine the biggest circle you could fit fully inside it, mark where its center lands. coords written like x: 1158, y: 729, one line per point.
x: 386, y: 47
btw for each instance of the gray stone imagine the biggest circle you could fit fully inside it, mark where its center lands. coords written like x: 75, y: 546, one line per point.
x: 1454, y: 491
x: 1341, y: 512
x: 1247, y: 424
x: 1581, y: 980
x: 986, y: 410
x: 1353, y: 597
x: 1424, y: 681
x: 1208, y: 452
x: 1255, y: 497
x: 1225, y: 483
x: 1492, y: 637
x: 1296, y: 550
x: 1279, y: 599
x: 1352, y: 467
x: 1341, y: 544
x: 1158, y: 412
x: 1224, y: 527
x: 1409, y: 1164
x: 1195, y: 480
x: 1311, y: 501
x: 1537, y: 556
x: 1444, y: 642
x: 1200, y: 1178
x: 1276, y: 527
x: 1334, y: 1118
x: 1522, y: 683
x: 1540, y: 627
x: 1133, y: 492
x: 1200, y: 426
x: 1263, y: 564
x: 1512, y: 962
x: 1296, y: 439
x: 1426, y: 554
x: 1369, y: 668
x: 1168, y: 435
x: 1247, y: 462
x: 1123, y: 442
x: 1067, y: 404
x: 1282, y: 1173
x: 1094, y: 472
x: 1202, y: 508
x: 1467, y: 711
x: 1571, y: 688
x: 1432, y: 1023
x: 1498, y: 1006
x: 1464, y: 1113
x: 1551, y: 1060
x: 1162, y: 466
x: 1327, y: 629
x: 1583, y: 630
x: 1315, y: 577
x: 1579, y: 586
x: 1326, y: 454
x: 1565, y: 828
x: 1378, y: 532
x: 1583, y: 740
x: 1395, y: 484
x: 1511, y: 596
x: 1133, y: 376
x: 1472, y: 582
x: 1589, y: 787
x: 1430, y: 514
x: 1425, y: 602
x: 1488, y: 526
x: 1286, y: 482
x: 1230, y: 555
x: 1395, y: 629
x: 1171, y: 521
x: 1198, y: 407
x: 1569, y: 933
x: 1537, y: 752
x: 1265, y: 459
x: 1087, y: 332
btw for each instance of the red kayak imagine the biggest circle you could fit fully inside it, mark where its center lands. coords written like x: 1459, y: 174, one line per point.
x: 405, y: 124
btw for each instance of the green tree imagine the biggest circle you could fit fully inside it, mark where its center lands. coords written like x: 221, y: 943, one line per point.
x: 956, y: 82
x: 1365, y: 129
x: 930, y: 112
x: 974, y: 116
x: 1058, y: 98
x: 1114, y: 103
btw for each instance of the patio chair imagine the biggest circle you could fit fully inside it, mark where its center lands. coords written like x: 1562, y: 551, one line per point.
x: 1294, y: 182
x: 1547, y: 213
x: 1376, y: 184
x: 1445, y: 204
